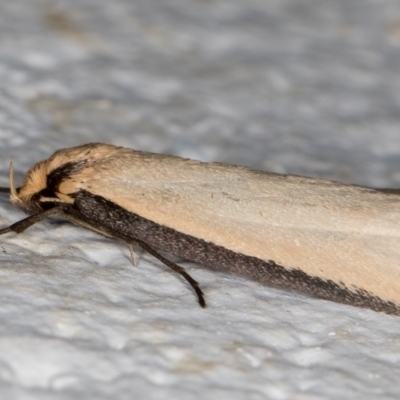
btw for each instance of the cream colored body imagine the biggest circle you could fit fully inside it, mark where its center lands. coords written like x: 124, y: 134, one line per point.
x: 343, y: 233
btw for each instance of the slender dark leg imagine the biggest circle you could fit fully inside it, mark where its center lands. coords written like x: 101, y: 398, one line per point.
x: 25, y: 223
x: 181, y: 271
x: 68, y: 212
x: 76, y: 217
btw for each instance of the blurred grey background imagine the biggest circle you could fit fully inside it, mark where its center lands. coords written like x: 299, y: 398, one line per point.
x: 296, y: 86
x: 291, y: 86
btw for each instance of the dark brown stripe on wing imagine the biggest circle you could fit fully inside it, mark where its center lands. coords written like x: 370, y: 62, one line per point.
x: 119, y: 223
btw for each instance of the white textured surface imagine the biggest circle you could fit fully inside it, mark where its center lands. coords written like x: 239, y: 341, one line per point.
x: 298, y: 86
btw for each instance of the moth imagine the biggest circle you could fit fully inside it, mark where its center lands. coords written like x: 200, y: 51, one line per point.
x: 335, y: 241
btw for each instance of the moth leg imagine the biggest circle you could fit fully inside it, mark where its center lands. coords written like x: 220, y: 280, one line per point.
x: 180, y: 270
x: 133, y: 254
x: 58, y: 211
x: 25, y: 223
x: 76, y: 217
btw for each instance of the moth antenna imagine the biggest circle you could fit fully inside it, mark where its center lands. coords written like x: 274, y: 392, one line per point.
x: 13, y: 191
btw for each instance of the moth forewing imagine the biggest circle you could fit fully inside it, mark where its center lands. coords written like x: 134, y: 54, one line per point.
x: 337, y: 241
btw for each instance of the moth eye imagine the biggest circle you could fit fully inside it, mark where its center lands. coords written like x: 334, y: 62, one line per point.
x: 37, y: 204
x: 46, y: 192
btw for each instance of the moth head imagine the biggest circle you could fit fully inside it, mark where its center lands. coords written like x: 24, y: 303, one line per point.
x: 58, y: 179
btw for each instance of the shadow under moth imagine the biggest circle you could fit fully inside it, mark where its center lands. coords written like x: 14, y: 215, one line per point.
x: 336, y: 241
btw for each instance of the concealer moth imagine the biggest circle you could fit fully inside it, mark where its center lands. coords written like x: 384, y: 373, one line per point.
x: 336, y: 241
